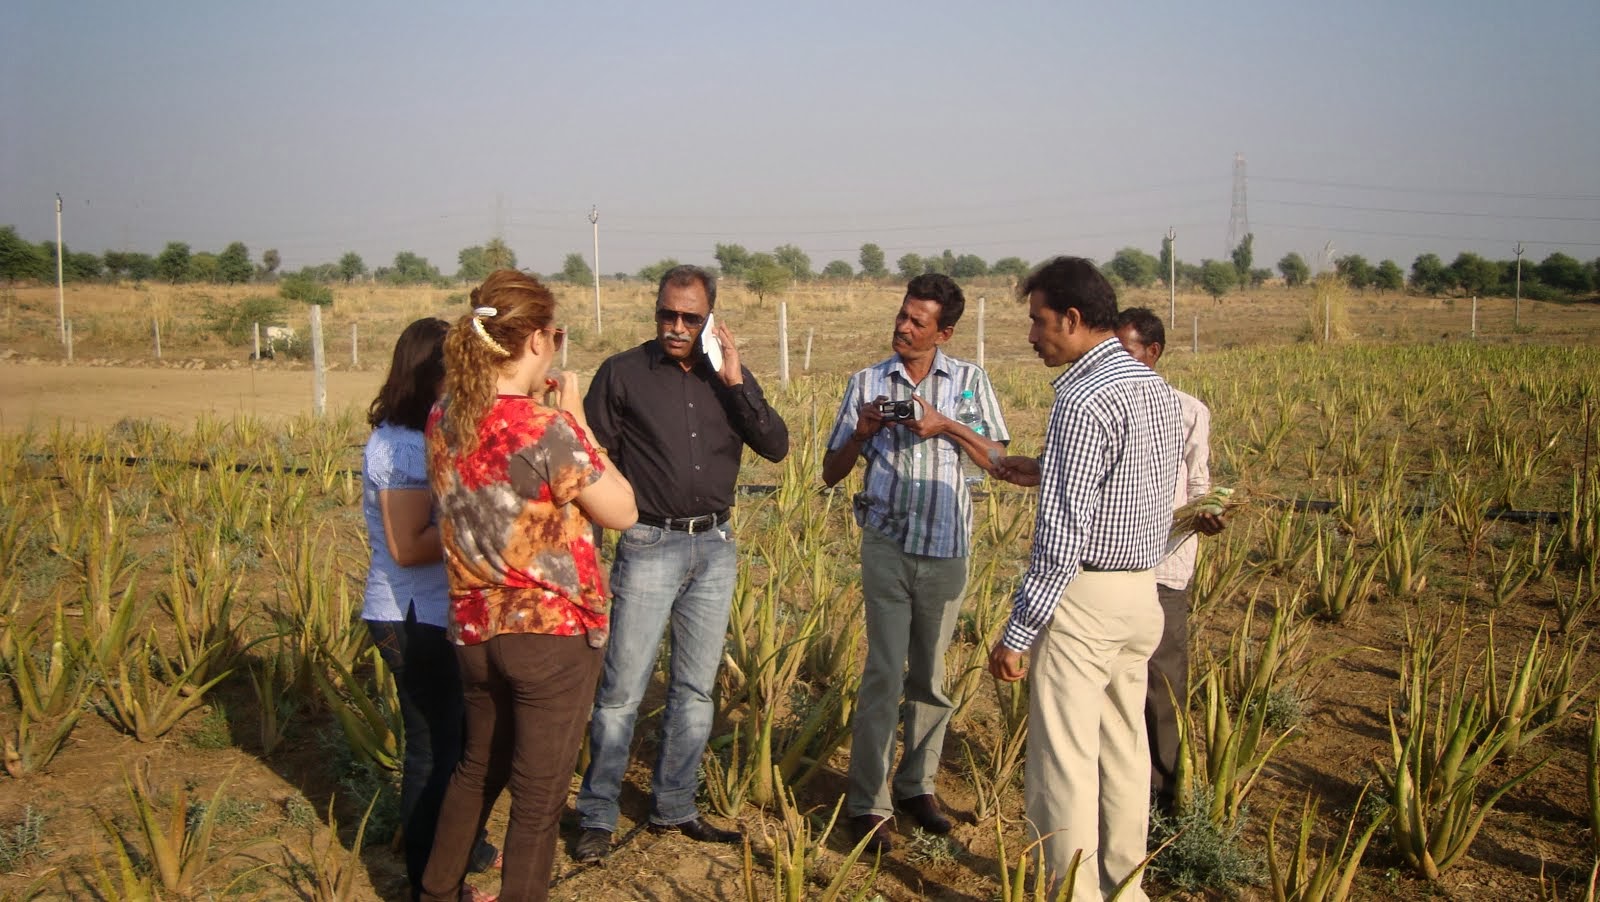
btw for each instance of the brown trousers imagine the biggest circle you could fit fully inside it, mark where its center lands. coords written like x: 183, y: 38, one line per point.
x: 528, y: 697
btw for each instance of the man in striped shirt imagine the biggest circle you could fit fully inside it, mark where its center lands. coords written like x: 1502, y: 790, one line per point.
x: 1087, y: 605
x: 915, y: 515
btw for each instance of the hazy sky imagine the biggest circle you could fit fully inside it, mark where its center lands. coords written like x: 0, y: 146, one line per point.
x: 1026, y: 129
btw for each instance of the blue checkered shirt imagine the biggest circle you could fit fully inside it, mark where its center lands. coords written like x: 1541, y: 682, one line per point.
x: 1109, y: 471
x: 914, y: 491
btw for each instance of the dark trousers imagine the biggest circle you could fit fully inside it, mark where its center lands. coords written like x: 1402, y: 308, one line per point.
x: 1169, y: 680
x: 423, y: 662
x: 527, y: 700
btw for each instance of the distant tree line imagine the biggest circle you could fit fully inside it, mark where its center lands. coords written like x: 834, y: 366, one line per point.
x: 1557, y: 276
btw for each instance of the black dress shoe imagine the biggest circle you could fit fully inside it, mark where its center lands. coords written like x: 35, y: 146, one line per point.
x: 593, y: 845
x: 925, y: 810
x: 699, y: 831
x: 874, y: 829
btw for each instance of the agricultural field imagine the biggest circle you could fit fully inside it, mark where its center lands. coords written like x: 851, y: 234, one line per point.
x: 1393, y: 675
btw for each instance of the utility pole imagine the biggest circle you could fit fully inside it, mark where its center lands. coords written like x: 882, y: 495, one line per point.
x: 61, y: 295
x: 1172, y: 275
x: 594, y: 220
x: 1516, y: 305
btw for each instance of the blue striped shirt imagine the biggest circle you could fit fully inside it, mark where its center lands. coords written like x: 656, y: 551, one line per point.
x: 1108, y: 475
x: 914, y: 491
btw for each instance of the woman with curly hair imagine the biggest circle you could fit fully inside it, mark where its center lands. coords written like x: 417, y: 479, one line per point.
x: 520, y: 484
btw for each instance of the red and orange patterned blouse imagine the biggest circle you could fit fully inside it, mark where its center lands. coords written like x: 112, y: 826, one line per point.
x: 519, y: 553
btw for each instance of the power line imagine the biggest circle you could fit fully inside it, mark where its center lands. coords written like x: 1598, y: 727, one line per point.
x: 1462, y: 213
x: 1465, y: 192
x: 868, y: 230
x: 1371, y: 233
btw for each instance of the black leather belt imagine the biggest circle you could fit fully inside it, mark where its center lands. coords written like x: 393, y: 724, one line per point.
x: 1087, y: 567
x: 690, y: 525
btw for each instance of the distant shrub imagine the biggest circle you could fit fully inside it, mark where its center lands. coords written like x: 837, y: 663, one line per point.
x: 235, y: 322
x: 305, y: 290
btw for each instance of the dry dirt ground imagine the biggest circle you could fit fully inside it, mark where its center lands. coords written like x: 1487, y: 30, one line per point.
x: 1540, y: 825
x: 40, y: 396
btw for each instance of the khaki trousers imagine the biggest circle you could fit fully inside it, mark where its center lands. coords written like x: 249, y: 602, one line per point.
x: 1087, y: 778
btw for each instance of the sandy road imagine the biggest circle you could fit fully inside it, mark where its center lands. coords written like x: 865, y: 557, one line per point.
x: 40, y: 396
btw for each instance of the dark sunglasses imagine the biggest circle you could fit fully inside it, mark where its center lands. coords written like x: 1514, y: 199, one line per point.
x: 558, y: 337
x: 668, y: 317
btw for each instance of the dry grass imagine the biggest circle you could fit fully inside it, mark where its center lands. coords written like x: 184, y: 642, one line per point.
x: 849, y: 322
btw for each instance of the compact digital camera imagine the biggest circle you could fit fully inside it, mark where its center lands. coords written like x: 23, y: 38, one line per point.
x: 898, y: 410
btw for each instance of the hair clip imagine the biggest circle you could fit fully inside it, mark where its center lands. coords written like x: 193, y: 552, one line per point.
x: 477, y: 326
x: 481, y: 312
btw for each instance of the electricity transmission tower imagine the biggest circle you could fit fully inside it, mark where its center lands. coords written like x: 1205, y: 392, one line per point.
x: 1239, y: 217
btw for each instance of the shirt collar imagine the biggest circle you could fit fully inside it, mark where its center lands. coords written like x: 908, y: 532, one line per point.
x: 941, y: 365
x: 656, y: 356
x: 1093, y: 358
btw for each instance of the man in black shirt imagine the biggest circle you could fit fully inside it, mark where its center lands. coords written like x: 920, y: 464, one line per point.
x: 675, y: 425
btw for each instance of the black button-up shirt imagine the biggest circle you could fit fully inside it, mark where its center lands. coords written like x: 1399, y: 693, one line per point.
x: 678, y: 435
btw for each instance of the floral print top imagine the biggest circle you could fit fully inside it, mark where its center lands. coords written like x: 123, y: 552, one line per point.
x: 519, y: 554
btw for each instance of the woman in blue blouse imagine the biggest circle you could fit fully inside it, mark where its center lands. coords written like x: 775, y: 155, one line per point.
x: 407, y: 597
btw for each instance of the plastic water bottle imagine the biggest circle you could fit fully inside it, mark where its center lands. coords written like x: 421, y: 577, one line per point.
x: 968, y: 414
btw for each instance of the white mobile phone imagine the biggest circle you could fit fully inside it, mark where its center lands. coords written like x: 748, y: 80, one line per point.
x: 710, y: 344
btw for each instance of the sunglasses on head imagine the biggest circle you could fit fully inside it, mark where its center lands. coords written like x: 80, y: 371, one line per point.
x: 668, y: 317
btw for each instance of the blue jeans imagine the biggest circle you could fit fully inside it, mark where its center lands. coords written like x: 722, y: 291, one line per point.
x: 660, y: 576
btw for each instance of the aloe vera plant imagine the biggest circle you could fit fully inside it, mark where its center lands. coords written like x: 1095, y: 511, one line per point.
x: 1328, y: 875
x: 1435, y: 767
x: 794, y: 857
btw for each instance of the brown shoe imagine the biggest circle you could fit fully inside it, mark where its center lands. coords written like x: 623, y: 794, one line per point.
x: 874, y: 829
x: 925, y: 810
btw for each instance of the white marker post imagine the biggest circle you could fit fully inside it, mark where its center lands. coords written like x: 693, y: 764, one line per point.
x: 783, y: 342
x: 61, y: 293
x: 810, y: 334
x: 1172, y: 276
x: 982, y: 310
x: 319, y: 375
x: 594, y: 220
x: 355, y: 360
x: 155, y: 328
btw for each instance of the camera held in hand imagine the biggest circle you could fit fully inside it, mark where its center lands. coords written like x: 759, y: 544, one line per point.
x: 898, y: 410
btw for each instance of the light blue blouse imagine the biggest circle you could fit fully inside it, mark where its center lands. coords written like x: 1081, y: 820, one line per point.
x: 396, y: 458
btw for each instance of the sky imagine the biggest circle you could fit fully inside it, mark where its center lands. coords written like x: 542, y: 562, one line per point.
x: 1002, y: 129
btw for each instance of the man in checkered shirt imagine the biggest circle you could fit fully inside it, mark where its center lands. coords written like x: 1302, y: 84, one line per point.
x: 1087, y: 607
x: 915, y: 515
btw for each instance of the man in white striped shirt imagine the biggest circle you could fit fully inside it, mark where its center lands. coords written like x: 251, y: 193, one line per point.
x: 915, y: 514
x: 1087, y: 605
x: 1144, y: 338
